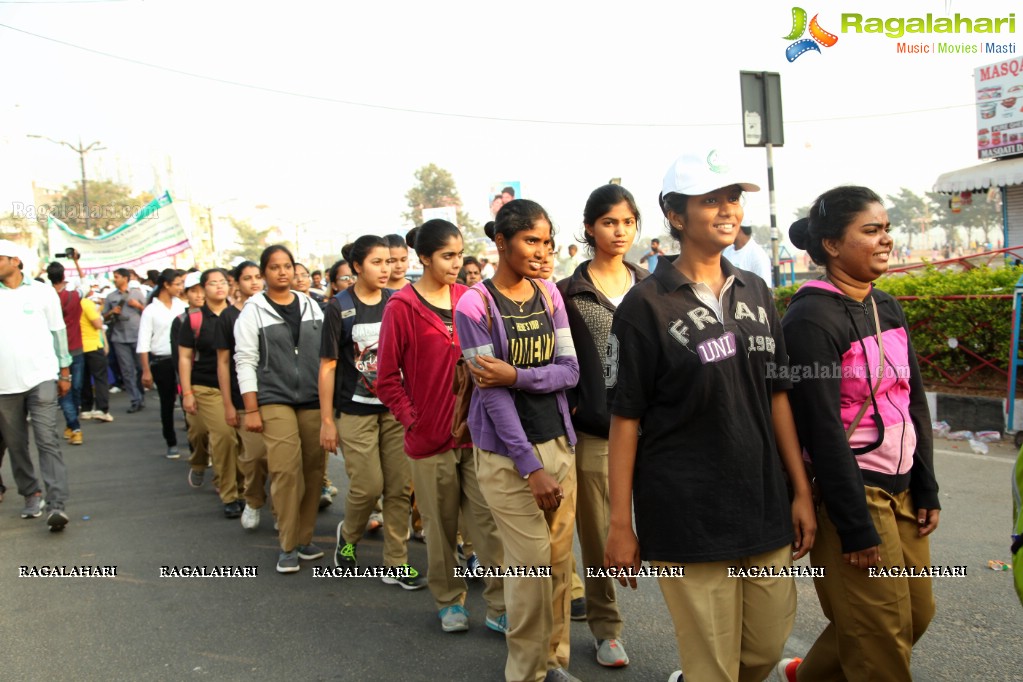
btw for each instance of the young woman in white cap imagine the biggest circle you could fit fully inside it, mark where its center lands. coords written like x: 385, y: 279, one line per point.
x: 702, y: 437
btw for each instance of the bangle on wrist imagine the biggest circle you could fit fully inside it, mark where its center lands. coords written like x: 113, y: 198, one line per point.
x: 187, y: 393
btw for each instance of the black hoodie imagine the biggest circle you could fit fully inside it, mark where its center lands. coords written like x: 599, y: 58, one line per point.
x: 589, y: 317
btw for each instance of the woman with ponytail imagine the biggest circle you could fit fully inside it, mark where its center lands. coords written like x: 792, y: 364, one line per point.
x: 370, y: 436
x: 419, y: 347
x: 154, y: 349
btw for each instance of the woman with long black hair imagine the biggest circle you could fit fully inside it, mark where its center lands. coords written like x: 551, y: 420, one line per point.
x: 277, y: 353
x: 592, y: 293
x: 154, y: 349
x: 419, y: 348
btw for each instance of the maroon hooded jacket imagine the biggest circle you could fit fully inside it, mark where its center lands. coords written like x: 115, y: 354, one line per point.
x: 416, y: 359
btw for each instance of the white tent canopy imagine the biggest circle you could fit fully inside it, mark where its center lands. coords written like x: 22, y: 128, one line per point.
x: 1000, y: 173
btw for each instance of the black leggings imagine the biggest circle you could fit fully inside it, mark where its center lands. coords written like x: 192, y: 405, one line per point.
x: 166, y: 380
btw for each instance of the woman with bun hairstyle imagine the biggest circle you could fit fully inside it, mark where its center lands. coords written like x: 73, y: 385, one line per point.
x: 200, y: 387
x: 419, y: 347
x: 592, y: 293
x: 518, y: 346
x: 867, y: 435
x: 277, y: 353
x: 370, y: 436
x: 702, y: 438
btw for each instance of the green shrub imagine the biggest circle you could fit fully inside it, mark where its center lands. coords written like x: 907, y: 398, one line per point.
x: 949, y: 335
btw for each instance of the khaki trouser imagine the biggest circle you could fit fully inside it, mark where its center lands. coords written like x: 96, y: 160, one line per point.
x: 252, y: 467
x: 538, y: 608
x: 730, y: 629
x: 874, y: 622
x: 375, y: 462
x: 295, y: 463
x: 198, y: 441
x: 592, y: 521
x: 224, y: 443
x: 445, y: 485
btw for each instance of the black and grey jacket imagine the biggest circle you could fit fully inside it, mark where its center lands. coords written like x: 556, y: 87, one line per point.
x: 268, y: 361
x: 589, y: 316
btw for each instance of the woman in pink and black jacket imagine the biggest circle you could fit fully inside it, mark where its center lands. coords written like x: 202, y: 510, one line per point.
x: 863, y: 420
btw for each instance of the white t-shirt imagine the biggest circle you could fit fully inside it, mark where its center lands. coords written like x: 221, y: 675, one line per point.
x: 30, y: 313
x: 751, y: 257
x: 155, y: 324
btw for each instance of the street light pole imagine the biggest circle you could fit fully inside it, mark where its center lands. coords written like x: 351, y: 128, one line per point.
x: 81, y: 151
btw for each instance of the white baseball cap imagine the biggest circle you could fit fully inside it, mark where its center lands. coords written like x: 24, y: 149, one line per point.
x: 15, y: 250
x: 192, y: 279
x: 703, y: 171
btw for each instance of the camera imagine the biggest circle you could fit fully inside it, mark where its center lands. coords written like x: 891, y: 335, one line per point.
x: 70, y: 253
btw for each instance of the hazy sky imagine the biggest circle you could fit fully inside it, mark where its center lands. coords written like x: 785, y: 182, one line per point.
x: 560, y: 96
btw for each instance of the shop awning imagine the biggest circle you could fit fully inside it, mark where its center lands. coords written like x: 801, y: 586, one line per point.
x: 981, y: 177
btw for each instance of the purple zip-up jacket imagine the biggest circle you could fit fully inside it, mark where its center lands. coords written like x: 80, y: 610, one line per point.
x: 493, y: 420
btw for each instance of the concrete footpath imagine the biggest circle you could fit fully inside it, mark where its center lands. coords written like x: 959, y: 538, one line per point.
x: 131, y: 509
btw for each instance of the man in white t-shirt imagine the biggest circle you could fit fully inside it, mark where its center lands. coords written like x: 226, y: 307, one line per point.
x: 35, y: 369
x: 745, y: 253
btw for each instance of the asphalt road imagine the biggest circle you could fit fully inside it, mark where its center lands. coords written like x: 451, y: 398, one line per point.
x: 131, y: 508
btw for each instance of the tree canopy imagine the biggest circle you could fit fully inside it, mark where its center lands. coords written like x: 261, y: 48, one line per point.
x: 110, y: 205
x: 436, y: 188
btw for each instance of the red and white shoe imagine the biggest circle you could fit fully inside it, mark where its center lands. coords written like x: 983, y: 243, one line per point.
x: 785, y: 671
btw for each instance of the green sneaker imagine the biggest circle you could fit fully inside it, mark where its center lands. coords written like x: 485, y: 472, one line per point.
x: 344, y: 554
x: 408, y: 580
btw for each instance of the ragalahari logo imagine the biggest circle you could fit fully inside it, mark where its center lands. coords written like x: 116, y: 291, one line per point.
x: 817, y: 35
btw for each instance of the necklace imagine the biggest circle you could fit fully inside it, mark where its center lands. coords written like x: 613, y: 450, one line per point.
x: 521, y: 304
x: 607, y: 292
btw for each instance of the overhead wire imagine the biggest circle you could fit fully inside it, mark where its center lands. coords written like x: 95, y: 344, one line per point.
x: 445, y: 114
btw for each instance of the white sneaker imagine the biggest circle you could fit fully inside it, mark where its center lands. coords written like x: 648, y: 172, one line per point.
x: 87, y: 414
x: 250, y: 518
x: 115, y: 389
x: 103, y: 416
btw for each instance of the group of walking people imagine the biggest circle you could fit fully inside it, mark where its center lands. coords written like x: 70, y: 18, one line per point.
x: 654, y: 415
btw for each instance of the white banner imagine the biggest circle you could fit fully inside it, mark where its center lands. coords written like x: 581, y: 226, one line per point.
x: 151, y: 237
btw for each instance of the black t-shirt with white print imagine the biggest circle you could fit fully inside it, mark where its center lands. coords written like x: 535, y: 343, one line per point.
x: 708, y: 483
x: 530, y: 344
x: 356, y: 355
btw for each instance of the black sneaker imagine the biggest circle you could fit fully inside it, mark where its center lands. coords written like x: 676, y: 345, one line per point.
x: 344, y: 553
x: 195, y: 478
x: 56, y: 520
x: 309, y: 552
x: 233, y: 510
x: 410, y: 579
x: 579, y: 608
x: 134, y: 408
